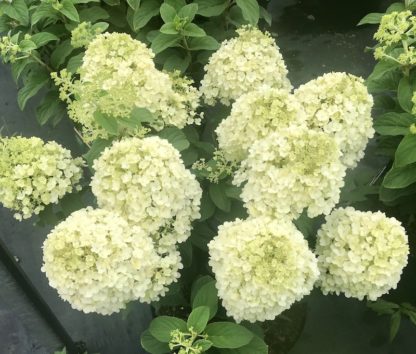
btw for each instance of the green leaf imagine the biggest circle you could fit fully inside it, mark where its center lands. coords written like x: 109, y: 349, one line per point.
x: 198, y: 318
x: 177, y: 62
x: 152, y: 345
x: 93, y: 14
x: 396, y: 6
x: 134, y: 4
x: 75, y: 62
x: 50, y: 108
x: 43, y: 38
x: 393, y: 123
x: 384, y: 75
x: 394, y: 325
x: 217, y: 192
x: 266, y: 16
x: 27, y: 45
x: 168, y: 28
x: 204, y: 344
x: 144, y: 13
x: 186, y: 251
x: 97, y: 147
x: 176, y: 137
x: 33, y: 83
x: 167, y: 12
x: 207, y: 295
x: 162, y: 326
x: 18, y: 11
x: 142, y: 115
x: 203, y: 43
x: 188, y: 11
x: 207, y: 207
x: 108, y: 123
x: 210, y: 8
x: 256, y: 345
x: 372, y: 19
x: 228, y: 335
x: 19, y: 67
x: 43, y: 11
x: 405, y: 94
x: 192, y: 30
x: 390, y: 195
x: 406, y: 151
x: 163, y: 41
x: 200, y: 282
x: 83, y: 1
x: 69, y: 11
x: 176, y: 4
x: 400, y: 177
x: 250, y: 10
x: 383, y: 307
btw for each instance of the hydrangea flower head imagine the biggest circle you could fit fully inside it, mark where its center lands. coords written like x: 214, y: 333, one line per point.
x: 262, y: 266
x: 98, y: 262
x: 360, y: 254
x: 255, y: 115
x: 117, y: 75
x: 34, y: 174
x: 290, y: 170
x: 146, y: 182
x: 243, y: 64
x: 339, y: 105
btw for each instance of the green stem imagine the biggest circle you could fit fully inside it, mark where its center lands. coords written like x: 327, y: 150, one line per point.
x: 38, y: 60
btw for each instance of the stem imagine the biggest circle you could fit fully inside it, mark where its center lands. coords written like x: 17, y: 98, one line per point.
x: 80, y: 136
x: 41, y: 62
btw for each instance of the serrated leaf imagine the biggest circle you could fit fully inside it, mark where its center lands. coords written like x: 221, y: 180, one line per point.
x: 228, y: 335
x: 250, y: 10
x: 405, y: 94
x: 93, y: 14
x: 176, y: 4
x: 69, y: 11
x: 43, y: 11
x: 400, y: 177
x: 198, y: 318
x: 108, y: 123
x: 177, y: 62
x: 162, y: 326
x: 204, y: 344
x: 18, y: 11
x: 168, y: 28
x: 50, y: 108
x: 256, y: 345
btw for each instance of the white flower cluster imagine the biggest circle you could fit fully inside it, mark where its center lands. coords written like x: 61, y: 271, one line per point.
x: 98, y: 262
x: 360, y: 254
x: 262, y: 267
x: 242, y: 64
x: 34, y: 174
x: 146, y: 182
x: 255, y: 115
x: 117, y: 75
x: 290, y: 170
x: 339, y: 105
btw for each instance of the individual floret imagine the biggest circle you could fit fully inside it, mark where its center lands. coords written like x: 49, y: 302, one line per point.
x: 255, y: 115
x: 98, y: 262
x: 360, y: 254
x: 339, y: 105
x: 243, y: 64
x: 290, y: 170
x: 262, y: 266
x: 34, y: 174
x: 145, y: 181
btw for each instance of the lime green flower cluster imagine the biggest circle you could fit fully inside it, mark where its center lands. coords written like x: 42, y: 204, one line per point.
x: 98, y: 262
x: 396, y: 36
x: 34, y: 174
x: 215, y: 169
x: 85, y: 32
x: 291, y: 170
x: 117, y: 75
x: 361, y: 254
x: 185, y: 343
x: 14, y: 48
x: 242, y: 64
x: 262, y: 266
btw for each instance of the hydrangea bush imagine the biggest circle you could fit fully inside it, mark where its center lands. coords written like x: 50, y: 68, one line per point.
x: 204, y: 212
